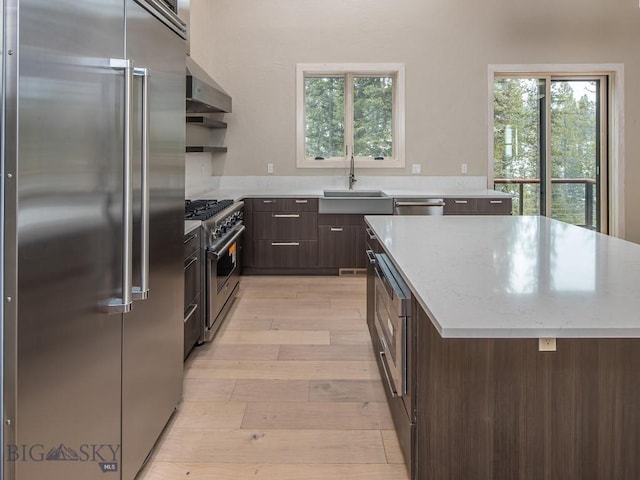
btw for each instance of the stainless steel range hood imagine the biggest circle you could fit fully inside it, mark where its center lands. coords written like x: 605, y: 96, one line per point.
x: 204, y: 95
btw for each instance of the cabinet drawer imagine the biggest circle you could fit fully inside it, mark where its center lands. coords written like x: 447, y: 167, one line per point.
x: 494, y: 206
x: 285, y: 204
x: 460, y: 206
x: 285, y: 225
x: 192, y: 279
x: 285, y: 254
x: 192, y: 325
x: 192, y: 243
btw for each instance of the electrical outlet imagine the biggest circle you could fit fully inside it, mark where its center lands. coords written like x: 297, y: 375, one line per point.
x: 547, y: 344
x: 463, y: 168
x: 416, y: 168
x: 270, y: 168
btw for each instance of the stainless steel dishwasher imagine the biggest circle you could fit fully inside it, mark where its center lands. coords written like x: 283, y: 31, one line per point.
x: 418, y: 206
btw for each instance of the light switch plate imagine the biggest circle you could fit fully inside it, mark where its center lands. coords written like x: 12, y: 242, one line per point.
x: 463, y: 168
x: 269, y: 167
x: 416, y: 168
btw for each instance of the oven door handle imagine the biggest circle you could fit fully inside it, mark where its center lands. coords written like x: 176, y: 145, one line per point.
x: 216, y: 254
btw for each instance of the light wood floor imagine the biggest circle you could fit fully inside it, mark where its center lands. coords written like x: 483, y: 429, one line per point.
x: 287, y: 390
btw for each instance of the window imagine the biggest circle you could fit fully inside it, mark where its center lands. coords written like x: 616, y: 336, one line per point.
x: 346, y: 110
x: 555, y: 142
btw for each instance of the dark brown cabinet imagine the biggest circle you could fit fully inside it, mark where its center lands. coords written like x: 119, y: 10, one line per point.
x: 499, y: 409
x: 193, y: 278
x: 478, y: 206
x: 341, y: 241
x: 283, y: 235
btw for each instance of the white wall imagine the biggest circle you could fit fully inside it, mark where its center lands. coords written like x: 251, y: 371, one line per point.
x: 251, y: 47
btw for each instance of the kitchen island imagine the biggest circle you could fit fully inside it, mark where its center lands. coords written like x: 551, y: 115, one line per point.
x: 490, y: 399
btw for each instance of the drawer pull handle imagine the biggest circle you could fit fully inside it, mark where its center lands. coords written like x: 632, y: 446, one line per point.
x: 463, y: 202
x: 192, y: 309
x: 268, y: 201
x: 192, y: 260
x: 285, y: 244
x: 302, y: 201
x: 337, y: 229
x: 370, y: 233
x: 495, y: 201
x: 195, y: 235
x: 286, y: 215
x: 383, y: 361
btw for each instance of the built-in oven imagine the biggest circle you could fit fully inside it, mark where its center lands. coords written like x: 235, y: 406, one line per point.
x: 222, y: 277
x: 222, y: 231
x: 392, y: 310
x: 393, y: 338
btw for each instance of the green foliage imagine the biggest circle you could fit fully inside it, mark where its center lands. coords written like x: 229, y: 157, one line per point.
x: 373, y: 116
x: 324, y: 110
x: 518, y: 112
x: 325, y: 116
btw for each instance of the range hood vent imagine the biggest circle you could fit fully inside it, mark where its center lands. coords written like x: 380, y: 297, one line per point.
x: 204, y: 95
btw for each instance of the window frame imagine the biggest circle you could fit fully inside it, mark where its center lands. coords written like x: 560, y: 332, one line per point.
x: 349, y: 71
x: 613, y: 186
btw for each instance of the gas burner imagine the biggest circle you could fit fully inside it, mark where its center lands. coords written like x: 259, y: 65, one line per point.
x: 204, y: 209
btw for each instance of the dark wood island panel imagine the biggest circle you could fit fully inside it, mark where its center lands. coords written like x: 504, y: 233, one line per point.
x: 498, y: 409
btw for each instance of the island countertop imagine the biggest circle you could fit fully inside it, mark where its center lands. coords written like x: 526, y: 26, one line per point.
x: 515, y: 277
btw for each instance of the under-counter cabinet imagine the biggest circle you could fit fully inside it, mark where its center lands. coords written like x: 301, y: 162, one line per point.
x: 283, y: 233
x: 193, y: 308
x: 341, y: 241
x: 478, y: 206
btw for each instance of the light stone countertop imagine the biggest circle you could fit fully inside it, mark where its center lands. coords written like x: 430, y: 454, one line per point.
x: 515, y: 277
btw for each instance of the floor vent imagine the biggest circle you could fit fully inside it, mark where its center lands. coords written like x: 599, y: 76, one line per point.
x: 350, y: 272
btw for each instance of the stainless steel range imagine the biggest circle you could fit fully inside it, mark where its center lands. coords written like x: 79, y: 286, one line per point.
x: 222, y: 232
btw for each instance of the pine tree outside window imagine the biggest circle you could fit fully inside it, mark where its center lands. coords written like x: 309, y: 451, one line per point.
x: 346, y: 110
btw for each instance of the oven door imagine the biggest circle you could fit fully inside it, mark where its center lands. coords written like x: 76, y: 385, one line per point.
x: 223, y: 277
x: 391, y: 325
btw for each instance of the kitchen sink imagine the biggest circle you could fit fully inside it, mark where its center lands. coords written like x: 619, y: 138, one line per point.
x: 365, y: 202
x: 354, y: 193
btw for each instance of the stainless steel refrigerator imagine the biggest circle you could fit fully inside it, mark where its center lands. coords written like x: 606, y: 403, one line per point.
x: 93, y: 198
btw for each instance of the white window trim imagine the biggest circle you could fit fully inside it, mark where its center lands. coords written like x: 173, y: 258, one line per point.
x: 616, y: 127
x: 396, y: 69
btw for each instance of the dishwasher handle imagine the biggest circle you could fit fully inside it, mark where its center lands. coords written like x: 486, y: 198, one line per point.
x: 420, y: 204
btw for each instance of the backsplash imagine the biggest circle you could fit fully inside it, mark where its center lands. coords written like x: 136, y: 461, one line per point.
x: 197, y: 183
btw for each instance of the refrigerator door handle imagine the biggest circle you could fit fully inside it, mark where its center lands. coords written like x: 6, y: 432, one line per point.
x: 123, y: 305
x: 142, y: 292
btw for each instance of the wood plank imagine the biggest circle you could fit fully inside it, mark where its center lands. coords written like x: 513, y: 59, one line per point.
x: 238, y: 322
x: 272, y: 446
x: 283, y: 370
x: 271, y: 471
x: 221, y: 351
x: 209, y: 415
x: 392, y: 447
x: 253, y: 390
x: 346, y: 391
x: 328, y: 321
x: 352, y: 337
x: 274, y: 337
x: 207, y: 389
x: 318, y: 416
x: 326, y: 352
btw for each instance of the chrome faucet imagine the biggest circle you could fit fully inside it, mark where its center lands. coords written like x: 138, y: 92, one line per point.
x: 352, y: 172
